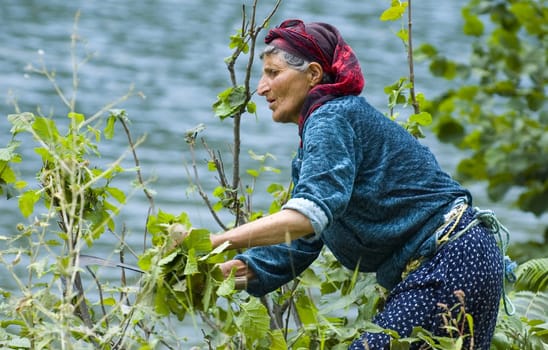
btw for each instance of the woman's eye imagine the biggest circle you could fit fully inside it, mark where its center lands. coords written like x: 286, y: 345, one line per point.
x: 272, y: 73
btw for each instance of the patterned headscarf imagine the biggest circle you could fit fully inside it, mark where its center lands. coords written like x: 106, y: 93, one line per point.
x: 322, y: 43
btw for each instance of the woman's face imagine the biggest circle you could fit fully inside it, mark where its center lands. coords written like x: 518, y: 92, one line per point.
x: 284, y: 88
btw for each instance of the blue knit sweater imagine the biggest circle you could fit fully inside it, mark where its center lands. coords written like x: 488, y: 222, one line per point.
x: 373, y: 193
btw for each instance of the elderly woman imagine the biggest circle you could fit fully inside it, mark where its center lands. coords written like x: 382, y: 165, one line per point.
x: 369, y: 191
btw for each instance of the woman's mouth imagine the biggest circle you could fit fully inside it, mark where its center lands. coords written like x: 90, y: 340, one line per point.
x: 271, y: 103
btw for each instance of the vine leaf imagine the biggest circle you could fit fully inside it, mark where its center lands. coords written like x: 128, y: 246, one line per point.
x: 27, y: 201
x: 253, y: 320
x: 230, y: 102
x: 394, y: 12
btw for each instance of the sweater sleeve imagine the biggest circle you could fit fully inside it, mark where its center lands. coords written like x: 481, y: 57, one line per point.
x: 326, y: 170
x: 278, y: 264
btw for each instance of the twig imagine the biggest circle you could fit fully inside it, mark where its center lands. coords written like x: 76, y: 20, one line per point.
x: 101, y: 299
x: 123, y: 295
x: 73, y: 41
x: 137, y: 163
x: 108, y: 106
x: 414, y: 102
x: 198, y: 185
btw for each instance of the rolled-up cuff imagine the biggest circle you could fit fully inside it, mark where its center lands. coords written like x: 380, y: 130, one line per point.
x: 311, y: 210
x: 253, y: 286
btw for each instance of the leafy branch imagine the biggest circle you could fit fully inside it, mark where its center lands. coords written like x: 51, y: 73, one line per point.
x: 396, y: 91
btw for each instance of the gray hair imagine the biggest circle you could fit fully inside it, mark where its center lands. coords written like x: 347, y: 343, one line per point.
x: 295, y: 62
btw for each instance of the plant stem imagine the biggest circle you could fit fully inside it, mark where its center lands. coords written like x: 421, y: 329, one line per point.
x: 416, y: 106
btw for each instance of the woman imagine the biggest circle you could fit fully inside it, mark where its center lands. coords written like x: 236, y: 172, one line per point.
x: 365, y: 188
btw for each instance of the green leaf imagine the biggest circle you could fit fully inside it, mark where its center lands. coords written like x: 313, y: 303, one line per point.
x: 253, y: 320
x: 8, y: 189
x: 27, y: 201
x: 21, y: 122
x: 109, y: 301
x: 533, y: 276
x: 8, y: 154
x: 449, y: 130
x: 117, y: 194
x: 46, y: 130
x: 251, y: 107
x: 473, y: 26
x: 533, y: 19
x: 278, y: 340
x: 535, y: 199
x: 161, y: 306
x: 426, y: 50
x: 306, y: 309
x: 443, y: 68
x: 211, y: 166
x: 403, y: 34
x: 77, y: 117
x: 213, y: 256
x: 230, y: 102
x: 473, y: 169
x: 394, y: 12
x: 532, y: 305
x: 238, y: 41
x: 199, y: 241
x: 191, y: 266
x: 6, y: 173
x: 145, y: 261
x: 219, y: 192
x: 227, y: 286
x: 109, y: 128
x: 252, y: 172
x: 167, y: 259
x: 422, y: 118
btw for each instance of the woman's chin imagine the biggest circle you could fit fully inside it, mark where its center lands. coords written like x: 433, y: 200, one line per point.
x: 284, y: 119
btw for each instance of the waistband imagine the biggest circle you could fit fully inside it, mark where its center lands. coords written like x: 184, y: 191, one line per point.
x: 461, y: 214
x: 442, y: 234
x: 447, y: 231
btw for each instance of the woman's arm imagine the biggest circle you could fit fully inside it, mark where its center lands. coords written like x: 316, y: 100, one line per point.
x: 283, y: 226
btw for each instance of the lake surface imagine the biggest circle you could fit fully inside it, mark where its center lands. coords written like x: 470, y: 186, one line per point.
x: 172, y: 51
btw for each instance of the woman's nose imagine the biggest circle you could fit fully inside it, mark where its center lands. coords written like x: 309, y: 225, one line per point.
x: 262, y: 87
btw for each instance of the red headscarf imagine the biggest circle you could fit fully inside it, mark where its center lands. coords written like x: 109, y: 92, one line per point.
x: 322, y: 43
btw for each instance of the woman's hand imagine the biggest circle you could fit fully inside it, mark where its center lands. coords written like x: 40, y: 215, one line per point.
x: 242, y: 273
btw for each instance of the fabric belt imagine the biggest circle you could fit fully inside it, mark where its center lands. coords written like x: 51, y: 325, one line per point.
x: 443, y: 233
x: 446, y: 233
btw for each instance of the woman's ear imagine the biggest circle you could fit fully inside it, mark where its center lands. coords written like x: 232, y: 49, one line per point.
x: 316, y: 73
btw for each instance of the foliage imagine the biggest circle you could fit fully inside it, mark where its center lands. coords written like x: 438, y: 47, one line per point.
x: 182, y: 285
x: 79, y: 203
x: 528, y: 327
x: 533, y: 276
x: 76, y: 204
x: 396, y: 92
x: 496, y: 109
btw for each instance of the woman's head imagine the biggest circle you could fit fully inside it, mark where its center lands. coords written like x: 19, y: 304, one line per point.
x: 285, y: 83
x: 321, y: 56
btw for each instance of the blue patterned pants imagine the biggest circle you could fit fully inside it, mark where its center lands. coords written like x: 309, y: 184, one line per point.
x: 471, y: 263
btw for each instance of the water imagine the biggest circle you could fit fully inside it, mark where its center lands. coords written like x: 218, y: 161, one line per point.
x: 172, y: 51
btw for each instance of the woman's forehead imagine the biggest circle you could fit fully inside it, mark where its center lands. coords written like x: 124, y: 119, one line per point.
x: 274, y: 60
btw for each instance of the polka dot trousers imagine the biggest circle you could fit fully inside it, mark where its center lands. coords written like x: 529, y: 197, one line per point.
x: 471, y: 264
